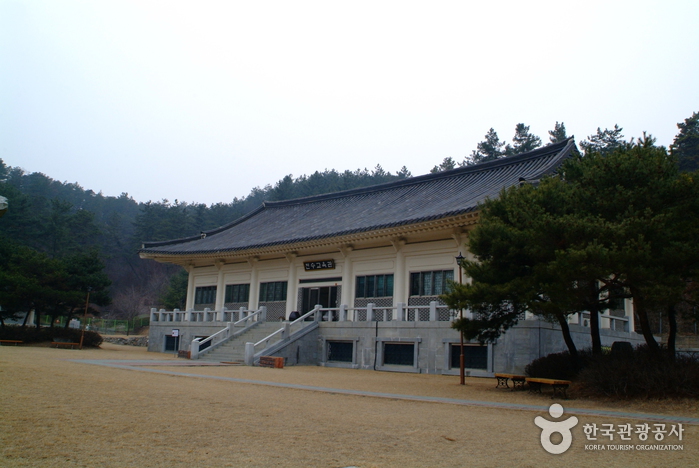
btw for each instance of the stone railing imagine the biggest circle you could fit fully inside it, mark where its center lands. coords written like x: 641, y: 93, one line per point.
x: 283, y: 334
x: 206, y: 315
x: 232, y: 330
x: 434, y: 312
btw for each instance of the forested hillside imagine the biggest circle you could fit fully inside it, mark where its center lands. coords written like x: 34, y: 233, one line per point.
x: 62, y: 220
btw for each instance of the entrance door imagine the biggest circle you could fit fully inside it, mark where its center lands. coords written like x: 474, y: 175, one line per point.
x: 326, y: 296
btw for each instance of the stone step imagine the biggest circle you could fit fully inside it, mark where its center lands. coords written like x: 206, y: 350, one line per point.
x: 234, y: 350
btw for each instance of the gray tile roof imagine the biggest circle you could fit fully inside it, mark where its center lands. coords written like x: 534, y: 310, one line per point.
x: 405, y: 202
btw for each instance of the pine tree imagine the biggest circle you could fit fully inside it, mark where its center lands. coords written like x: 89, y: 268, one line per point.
x: 488, y: 150
x: 603, y: 142
x: 447, y: 164
x: 523, y: 141
x: 685, y: 147
x: 558, y: 134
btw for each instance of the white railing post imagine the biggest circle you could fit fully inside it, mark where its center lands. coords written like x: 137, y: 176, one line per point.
x: 400, y: 310
x: 263, y: 314
x: 222, y: 314
x: 154, y: 315
x: 249, y: 353
x: 163, y: 315
x: 343, y: 313
x: 433, y: 311
x: 188, y: 315
x: 370, y: 312
x: 194, y: 349
x: 286, y: 331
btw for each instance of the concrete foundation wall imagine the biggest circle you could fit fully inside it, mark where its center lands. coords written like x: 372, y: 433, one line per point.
x: 532, y: 339
x: 529, y: 340
x: 188, y: 331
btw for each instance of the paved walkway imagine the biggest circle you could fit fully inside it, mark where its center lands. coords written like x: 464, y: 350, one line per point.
x: 147, y: 366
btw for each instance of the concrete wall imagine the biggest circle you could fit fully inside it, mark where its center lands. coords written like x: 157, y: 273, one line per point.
x: 529, y: 340
x: 532, y: 339
x: 188, y: 331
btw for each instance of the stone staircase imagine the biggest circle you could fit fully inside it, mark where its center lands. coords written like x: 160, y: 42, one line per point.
x: 234, y: 349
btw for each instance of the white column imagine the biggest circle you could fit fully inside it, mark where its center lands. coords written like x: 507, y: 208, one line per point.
x: 190, y: 288
x: 254, y: 284
x: 399, y: 280
x: 347, y: 283
x: 220, y: 287
x: 291, y: 284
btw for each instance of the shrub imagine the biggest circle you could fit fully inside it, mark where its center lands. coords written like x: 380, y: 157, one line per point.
x: 629, y: 373
x: 44, y: 334
x: 641, y: 374
x: 557, y: 366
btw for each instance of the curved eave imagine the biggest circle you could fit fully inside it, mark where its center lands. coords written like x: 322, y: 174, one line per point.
x: 388, y: 232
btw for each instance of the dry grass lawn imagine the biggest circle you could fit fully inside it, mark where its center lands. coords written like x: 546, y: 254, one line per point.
x: 56, y: 412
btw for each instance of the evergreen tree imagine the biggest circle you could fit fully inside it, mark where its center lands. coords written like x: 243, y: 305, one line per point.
x: 685, y: 147
x: 523, y: 140
x: 558, y: 134
x: 604, y: 142
x: 489, y: 149
x: 617, y: 220
x: 447, y: 164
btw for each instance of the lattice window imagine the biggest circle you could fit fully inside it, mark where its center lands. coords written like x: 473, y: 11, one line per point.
x: 204, y: 296
x: 275, y: 310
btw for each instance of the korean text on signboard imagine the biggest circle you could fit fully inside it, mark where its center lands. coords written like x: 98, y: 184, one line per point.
x: 319, y: 265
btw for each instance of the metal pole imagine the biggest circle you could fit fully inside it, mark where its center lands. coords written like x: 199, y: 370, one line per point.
x: 87, y: 303
x: 462, y: 372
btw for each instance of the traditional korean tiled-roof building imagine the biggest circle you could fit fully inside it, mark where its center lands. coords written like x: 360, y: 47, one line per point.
x: 375, y: 259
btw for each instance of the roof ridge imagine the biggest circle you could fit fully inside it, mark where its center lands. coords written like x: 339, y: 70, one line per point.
x: 549, y: 150
x: 488, y: 165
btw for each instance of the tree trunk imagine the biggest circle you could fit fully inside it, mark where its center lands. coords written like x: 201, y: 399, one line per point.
x: 572, y: 350
x: 594, y: 331
x: 672, y: 335
x: 642, y: 315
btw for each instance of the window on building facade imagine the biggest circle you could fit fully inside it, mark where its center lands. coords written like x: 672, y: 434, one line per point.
x: 374, y: 286
x: 399, y: 354
x: 475, y: 356
x: 237, y: 292
x: 430, y: 283
x: 273, y: 292
x: 205, y: 295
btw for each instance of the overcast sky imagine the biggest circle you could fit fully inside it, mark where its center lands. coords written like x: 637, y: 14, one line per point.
x: 201, y: 101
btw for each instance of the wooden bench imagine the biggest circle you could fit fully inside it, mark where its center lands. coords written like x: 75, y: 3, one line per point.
x: 559, y: 386
x: 8, y: 342
x: 517, y: 381
x: 272, y: 361
x: 64, y: 343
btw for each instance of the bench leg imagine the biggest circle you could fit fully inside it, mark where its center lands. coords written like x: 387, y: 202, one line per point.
x: 560, y: 390
x: 535, y: 387
x: 518, y: 384
x: 502, y: 382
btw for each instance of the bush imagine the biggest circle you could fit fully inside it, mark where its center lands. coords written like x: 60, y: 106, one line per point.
x: 557, y: 366
x: 633, y: 373
x: 44, y: 334
x: 641, y: 375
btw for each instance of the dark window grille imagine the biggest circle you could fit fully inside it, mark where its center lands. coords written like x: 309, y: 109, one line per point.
x: 475, y: 356
x: 273, y: 292
x: 430, y: 283
x: 399, y: 354
x: 237, y: 292
x: 374, y: 286
x: 340, y: 351
x: 205, y: 295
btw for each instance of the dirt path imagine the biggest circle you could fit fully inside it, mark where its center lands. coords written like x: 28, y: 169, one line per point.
x: 63, y: 413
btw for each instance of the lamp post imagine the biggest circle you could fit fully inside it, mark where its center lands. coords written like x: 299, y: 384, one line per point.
x: 462, y: 373
x: 87, y: 303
